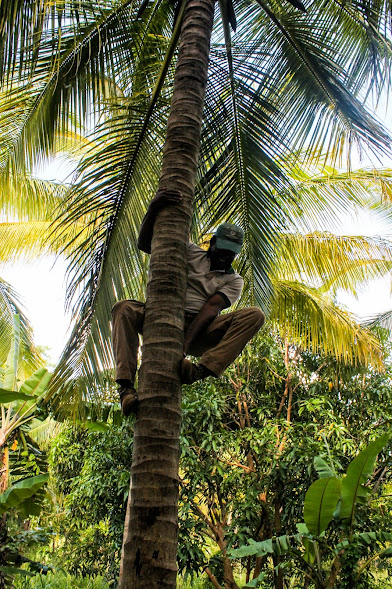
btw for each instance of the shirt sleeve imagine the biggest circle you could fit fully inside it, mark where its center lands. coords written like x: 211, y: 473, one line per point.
x: 232, y: 289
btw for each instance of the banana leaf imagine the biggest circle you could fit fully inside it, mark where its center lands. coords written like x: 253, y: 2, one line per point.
x: 320, y: 503
x: 37, y: 383
x: 21, y: 491
x: 7, y: 396
x: 359, y: 470
x: 323, y: 469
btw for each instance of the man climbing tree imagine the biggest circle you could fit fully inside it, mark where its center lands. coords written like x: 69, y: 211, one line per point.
x: 212, y: 286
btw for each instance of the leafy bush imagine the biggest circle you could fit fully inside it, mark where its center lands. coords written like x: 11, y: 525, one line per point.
x: 59, y: 580
x: 192, y: 582
x: 248, y: 443
x: 91, y: 470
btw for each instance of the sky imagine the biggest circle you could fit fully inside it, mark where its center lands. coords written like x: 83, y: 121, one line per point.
x: 41, y: 286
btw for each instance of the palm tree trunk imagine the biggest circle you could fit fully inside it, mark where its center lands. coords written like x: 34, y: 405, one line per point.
x: 151, y: 526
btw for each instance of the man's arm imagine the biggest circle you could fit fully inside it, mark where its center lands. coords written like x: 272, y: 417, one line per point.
x: 164, y: 197
x: 206, y: 315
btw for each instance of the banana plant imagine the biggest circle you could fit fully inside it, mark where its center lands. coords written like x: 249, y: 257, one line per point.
x: 19, y: 404
x: 330, y: 501
x: 21, y: 414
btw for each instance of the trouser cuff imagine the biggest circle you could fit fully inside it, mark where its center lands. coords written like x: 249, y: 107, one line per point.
x: 214, y: 368
x: 125, y: 376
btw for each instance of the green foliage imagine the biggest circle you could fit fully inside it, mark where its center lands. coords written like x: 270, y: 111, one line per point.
x: 320, y: 504
x: 60, y: 580
x: 23, y: 462
x: 16, y: 340
x: 90, y: 476
x: 192, y: 582
x: 7, y: 396
x: 322, y: 468
x: 248, y: 443
x: 353, y: 485
x: 36, y: 385
x: 19, y: 494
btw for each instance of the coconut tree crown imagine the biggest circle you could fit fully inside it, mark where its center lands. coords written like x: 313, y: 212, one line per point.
x: 281, y: 82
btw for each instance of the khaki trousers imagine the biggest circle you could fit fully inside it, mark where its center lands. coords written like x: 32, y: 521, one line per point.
x: 222, y: 341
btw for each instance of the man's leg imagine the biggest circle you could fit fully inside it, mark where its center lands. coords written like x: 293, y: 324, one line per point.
x: 127, y: 320
x: 226, y: 337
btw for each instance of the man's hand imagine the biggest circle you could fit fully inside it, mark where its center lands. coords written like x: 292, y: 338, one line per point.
x: 164, y: 197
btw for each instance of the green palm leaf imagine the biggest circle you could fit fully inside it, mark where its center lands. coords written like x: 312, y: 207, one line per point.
x: 84, y: 56
x: 106, y: 264
x: 29, y: 358
x: 331, y: 261
x: 324, y: 195
x: 310, y: 319
x: 383, y: 320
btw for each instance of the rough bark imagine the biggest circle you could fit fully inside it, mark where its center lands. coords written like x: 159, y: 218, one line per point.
x: 4, y: 453
x: 151, y: 528
x: 3, y: 549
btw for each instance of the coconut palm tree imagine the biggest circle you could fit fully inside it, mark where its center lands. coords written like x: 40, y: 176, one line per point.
x: 285, y: 81
x: 29, y: 358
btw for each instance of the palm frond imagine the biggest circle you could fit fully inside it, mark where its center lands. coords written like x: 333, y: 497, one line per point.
x: 89, y: 55
x: 331, y: 261
x: 23, y: 197
x: 23, y: 240
x: 312, y: 321
x: 29, y: 358
x: 317, y: 88
x: 30, y: 239
x: 383, y: 320
x: 20, y: 21
x: 324, y: 198
x: 239, y: 173
x: 106, y: 265
x: 43, y: 432
x: 284, y: 83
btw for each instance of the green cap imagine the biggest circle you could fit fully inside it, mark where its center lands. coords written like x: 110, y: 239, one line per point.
x: 229, y: 237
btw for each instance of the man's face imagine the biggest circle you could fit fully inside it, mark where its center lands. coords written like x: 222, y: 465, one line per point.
x: 220, y: 259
